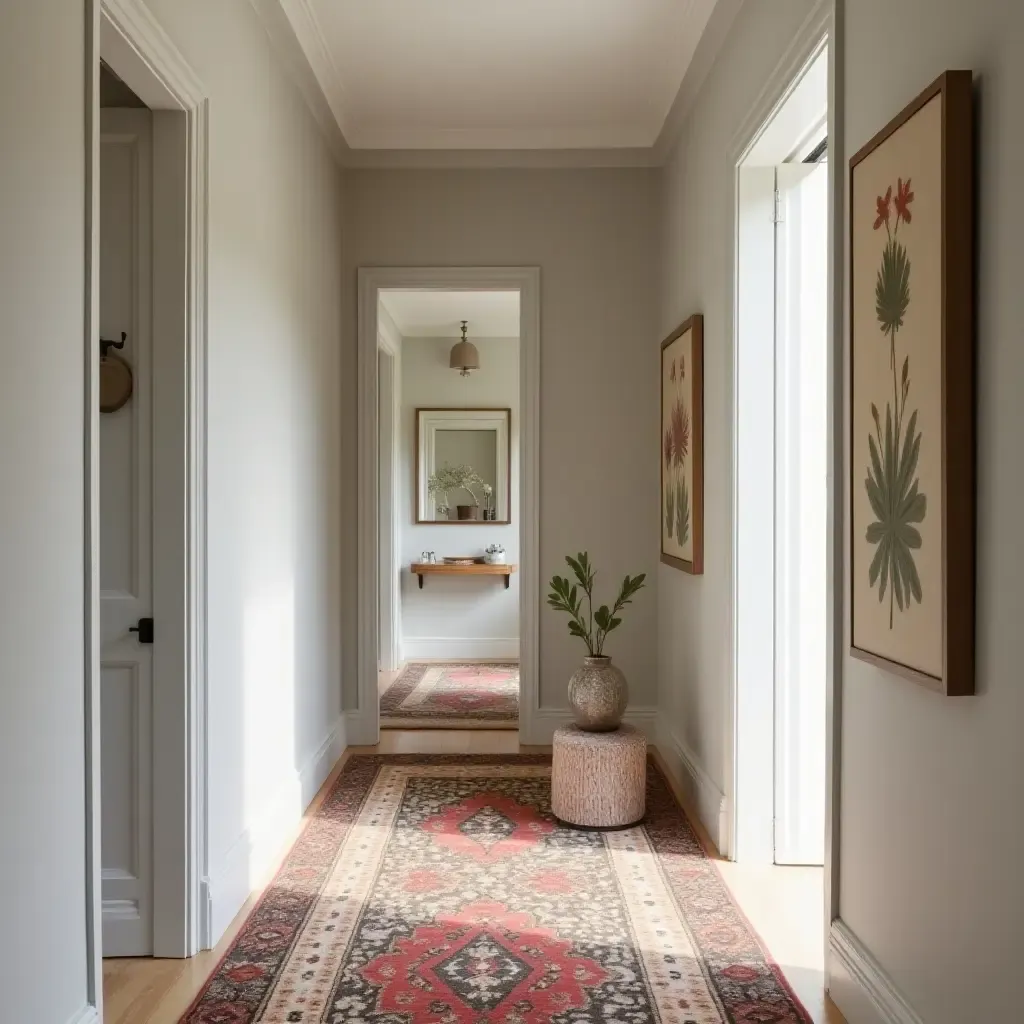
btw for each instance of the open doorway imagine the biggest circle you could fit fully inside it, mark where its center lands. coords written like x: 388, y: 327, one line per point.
x: 448, y: 491
x: 782, y: 607
x: 145, y: 499
x: 501, y: 599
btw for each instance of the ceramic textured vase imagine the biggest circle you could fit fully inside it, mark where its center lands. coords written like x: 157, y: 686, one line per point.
x: 598, y: 695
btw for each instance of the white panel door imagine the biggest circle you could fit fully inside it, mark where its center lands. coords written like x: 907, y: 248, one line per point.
x: 801, y: 511
x: 126, y: 559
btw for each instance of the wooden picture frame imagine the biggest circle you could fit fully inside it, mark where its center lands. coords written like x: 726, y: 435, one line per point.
x: 681, y: 444
x: 911, y: 392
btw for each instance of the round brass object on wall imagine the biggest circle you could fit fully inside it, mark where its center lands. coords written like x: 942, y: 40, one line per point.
x: 116, y: 382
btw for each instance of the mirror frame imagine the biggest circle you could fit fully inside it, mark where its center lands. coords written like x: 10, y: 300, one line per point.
x: 497, y: 419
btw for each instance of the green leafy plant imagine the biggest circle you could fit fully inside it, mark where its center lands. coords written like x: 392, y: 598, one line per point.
x: 455, y: 478
x: 682, y: 512
x: 898, y: 505
x: 891, y: 484
x: 567, y: 597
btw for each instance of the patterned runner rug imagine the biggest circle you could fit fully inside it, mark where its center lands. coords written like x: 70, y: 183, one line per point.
x: 452, y: 696
x: 440, y: 890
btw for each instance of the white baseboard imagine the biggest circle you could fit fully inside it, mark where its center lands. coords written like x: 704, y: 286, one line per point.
x: 361, y: 729
x: 701, y: 791
x: 86, y: 1015
x: 859, y: 987
x: 438, y: 648
x: 546, y: 720
x: 247, y: 864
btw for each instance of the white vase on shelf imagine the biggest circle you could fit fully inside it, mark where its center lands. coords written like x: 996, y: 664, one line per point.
x: 495, y: 555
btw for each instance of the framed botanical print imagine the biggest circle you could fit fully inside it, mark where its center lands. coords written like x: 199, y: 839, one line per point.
x: 911, y: 479
x: 682, y: 447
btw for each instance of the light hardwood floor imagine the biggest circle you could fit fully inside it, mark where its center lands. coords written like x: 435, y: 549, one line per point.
x: 149, y: 991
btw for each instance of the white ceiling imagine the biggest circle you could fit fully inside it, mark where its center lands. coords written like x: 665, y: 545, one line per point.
x: 433, y: 314
x: 498, y: 74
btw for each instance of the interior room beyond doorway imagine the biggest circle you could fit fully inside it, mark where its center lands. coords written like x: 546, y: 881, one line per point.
x: 448, y: 484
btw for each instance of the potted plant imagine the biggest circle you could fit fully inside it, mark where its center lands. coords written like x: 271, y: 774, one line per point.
x: 456, y: 478
x: 494, y: 554
x: 598, y: 692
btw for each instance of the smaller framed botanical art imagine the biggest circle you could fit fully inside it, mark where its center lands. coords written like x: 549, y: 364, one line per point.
x: 912, y: 392
x: 682, y: 447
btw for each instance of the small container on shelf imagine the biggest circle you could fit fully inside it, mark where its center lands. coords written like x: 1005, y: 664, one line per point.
x: 494, y: 554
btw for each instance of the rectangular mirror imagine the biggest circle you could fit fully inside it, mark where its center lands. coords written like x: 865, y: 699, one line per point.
x: 463, y: 466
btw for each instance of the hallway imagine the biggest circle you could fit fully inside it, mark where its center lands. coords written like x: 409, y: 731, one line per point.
x: 785, y: 912
x: 733, y: 307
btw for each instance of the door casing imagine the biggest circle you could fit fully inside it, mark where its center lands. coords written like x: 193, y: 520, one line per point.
x: 140, y: 52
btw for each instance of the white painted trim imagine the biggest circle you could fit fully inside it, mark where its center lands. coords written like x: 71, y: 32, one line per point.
x: 702, y: 793
x: 93, y: 1010
x: 255, y: 855
x: 361, y: 730
x: 138, y: 49
x: 390, y: 481
x: 807, y: 42
x: 547, y: 720
x: 441, y: 648
x: 836, y: 557
x: 286, y: 43
x: 859, y: 987
x: 306, y: 26
x: 426, y: 159
x: 525, y: 280
x: 715, y: 20
x: 389, y: 337
x: 88, y: 1014
x: 298, y: 37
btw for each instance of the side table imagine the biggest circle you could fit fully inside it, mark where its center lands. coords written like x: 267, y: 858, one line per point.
x: 598, y: 779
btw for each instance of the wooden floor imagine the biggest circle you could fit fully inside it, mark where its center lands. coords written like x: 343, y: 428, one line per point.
x: 149, y: 991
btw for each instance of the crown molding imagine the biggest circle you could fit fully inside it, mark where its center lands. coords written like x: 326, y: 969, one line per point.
x: 296, y: 33
x: 440, y: 159
x: 324, y: 104
x: 713, y: 19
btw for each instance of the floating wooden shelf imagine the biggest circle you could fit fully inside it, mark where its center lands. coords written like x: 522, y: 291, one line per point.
x: 422, y: 569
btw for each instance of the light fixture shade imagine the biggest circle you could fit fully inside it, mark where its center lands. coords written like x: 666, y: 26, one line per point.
x: 464, y: 356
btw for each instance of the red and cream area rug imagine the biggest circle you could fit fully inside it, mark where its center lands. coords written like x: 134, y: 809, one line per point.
x: 440, y: 890
x: 452, y: 696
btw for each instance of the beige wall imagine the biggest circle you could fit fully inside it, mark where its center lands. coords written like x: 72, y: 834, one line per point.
x: 592, y: 234
x: 42, y: 558
x: 696, y: 210
x: 932, y: 840
x: 274, y: 450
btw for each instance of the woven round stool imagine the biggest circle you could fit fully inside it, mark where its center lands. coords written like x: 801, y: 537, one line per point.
x: 598, y: 778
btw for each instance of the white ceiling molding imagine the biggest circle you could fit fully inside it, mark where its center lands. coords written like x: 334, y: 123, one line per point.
x: 718, y: 17
x: 442, y: 159
x: 300, y: 38
x: 279, y: 28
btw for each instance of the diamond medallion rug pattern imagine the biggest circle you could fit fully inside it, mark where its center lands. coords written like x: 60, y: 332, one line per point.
x: 452, y: 695
x: 440, y: 890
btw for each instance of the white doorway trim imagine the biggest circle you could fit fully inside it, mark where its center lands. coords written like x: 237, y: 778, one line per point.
x: 133, y: 43
x: 820, y: 28
x: 389, y: 350
x: 364, y: 722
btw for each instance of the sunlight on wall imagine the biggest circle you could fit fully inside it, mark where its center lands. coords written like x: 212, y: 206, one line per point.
x: 268, y: 718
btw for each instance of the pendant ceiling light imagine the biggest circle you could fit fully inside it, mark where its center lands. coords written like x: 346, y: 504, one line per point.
x: 464, y: 357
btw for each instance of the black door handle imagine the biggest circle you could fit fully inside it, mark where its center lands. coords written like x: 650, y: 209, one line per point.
x: 144, y: 629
